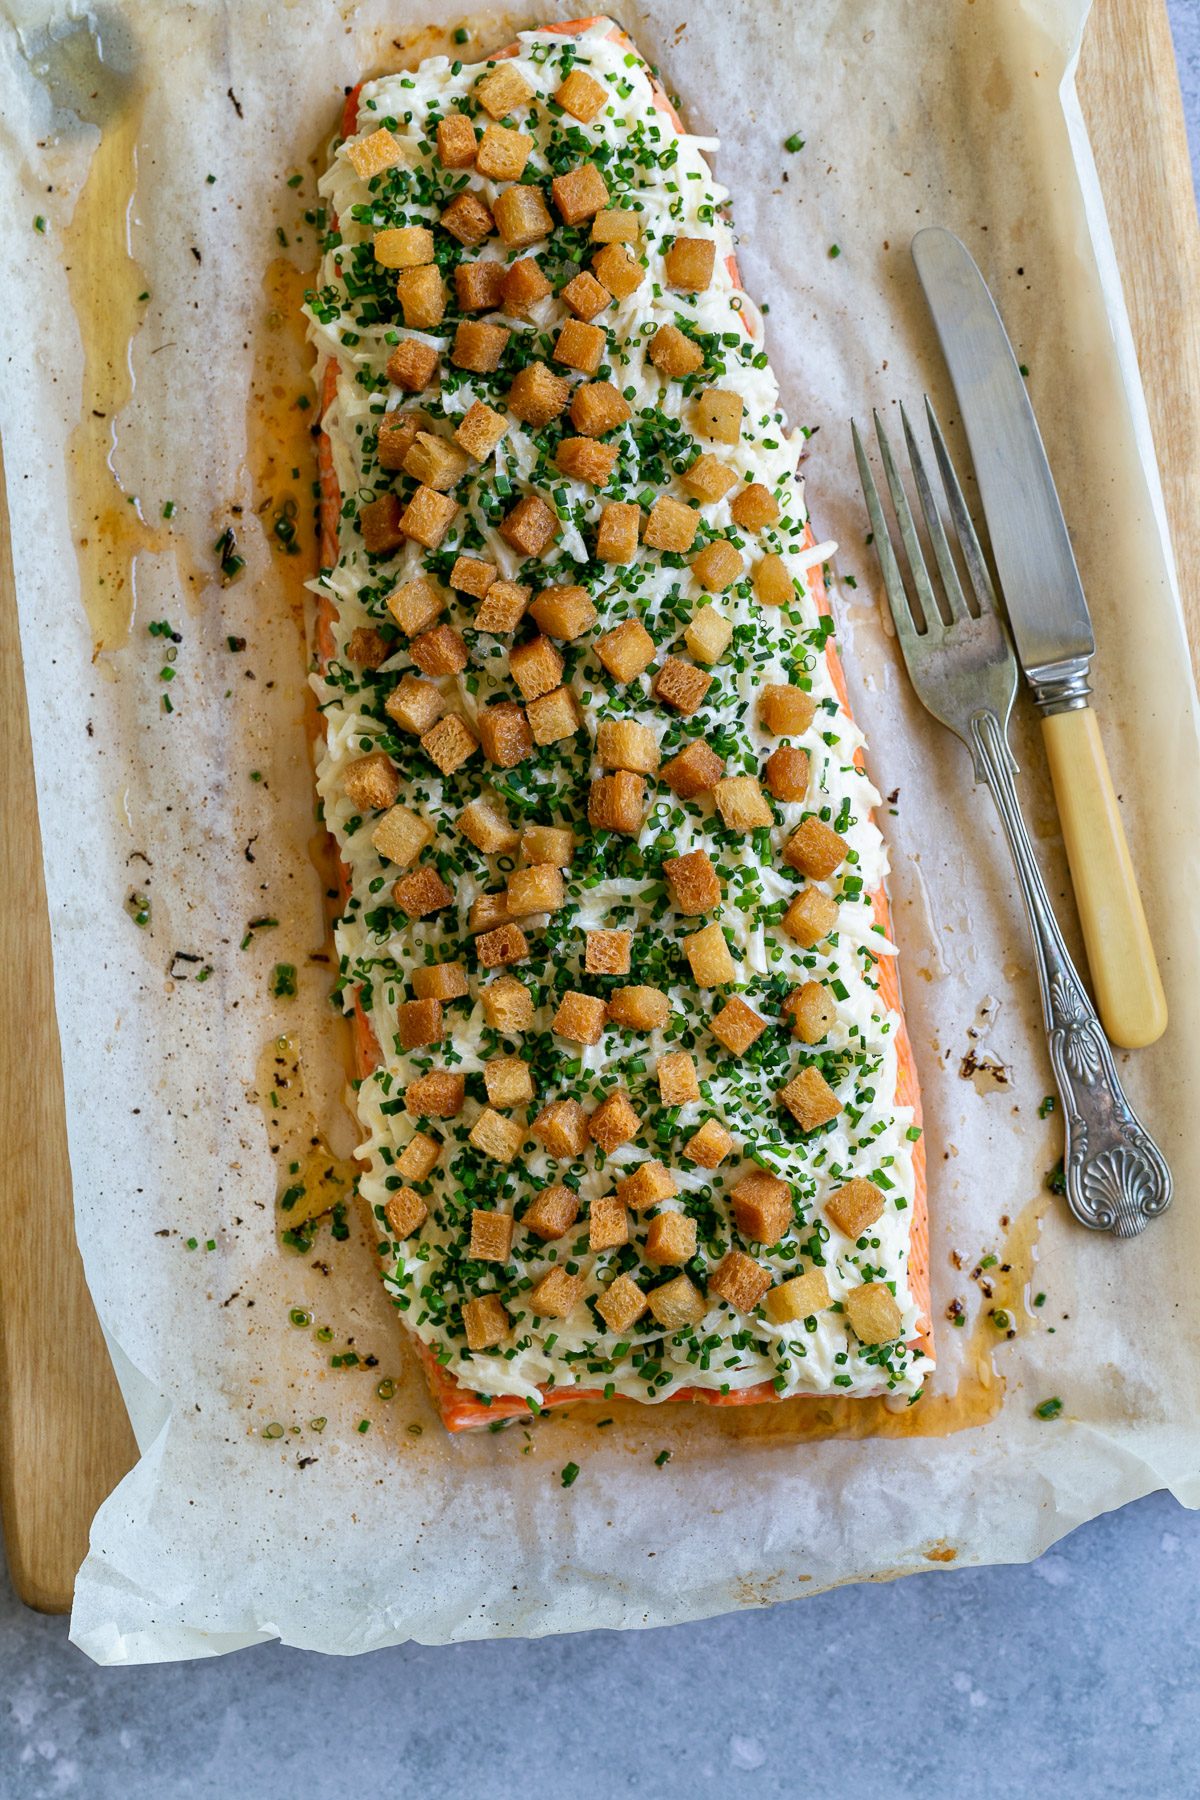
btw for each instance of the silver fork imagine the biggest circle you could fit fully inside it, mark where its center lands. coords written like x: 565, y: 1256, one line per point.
x: 965, y: 674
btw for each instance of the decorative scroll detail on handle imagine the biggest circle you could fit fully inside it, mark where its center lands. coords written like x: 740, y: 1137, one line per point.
x: 1116, y: 1177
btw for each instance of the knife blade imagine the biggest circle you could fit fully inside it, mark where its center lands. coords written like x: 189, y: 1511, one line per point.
x: 1047, y: 608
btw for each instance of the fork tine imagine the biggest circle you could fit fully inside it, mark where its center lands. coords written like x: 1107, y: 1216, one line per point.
x: 955, y: 598
x: 931, y: 617
x: 973, y: 557
x: 902, y: 616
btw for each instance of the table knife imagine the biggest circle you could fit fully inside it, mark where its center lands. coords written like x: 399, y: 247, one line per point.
x: 1052, y: 630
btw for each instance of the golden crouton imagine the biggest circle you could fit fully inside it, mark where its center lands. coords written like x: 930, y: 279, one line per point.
x: 438, y: 1095
x: 449, y: 743
x: 554, y: 716
x: 670, y: 1238
x: 419, y: 1022
x: 585, y: 295
x: 708, y: 634
x: 607, y: 952
x: 680, y: 685
x: 502, y: 91
x: 415, y: 705
x: 537, y: 394
x: 580, y: 1017
x: 677, y: 1304
x: 674, y: 354
x: 372, y: 782
x: 405, y: 1212
x: 810, y: 1099
x: 689, y: 264
x: 854, y: 1206
x: 508, y: 1081
x: 579, y: 193
x: 523, y: 286
x: 487, y: 911
x: 507, y: 1005
x: 455, y: 141
x: 480, y: 430
x: 737, y: 1026
x: 787, y: 773
x: 495, y: 1136
x: 422, y: 296
x: 648, y: 1184
x: 496, y: 949
x: 739, y: 1280
x: 672, y: 526
x: 614, y: 1122
x: 479, y: 346
x: 797, y: 1299
x: 502, y: 608
x: 521, y: 217
x: 485, y: 1321
x: 535, y: 890
x: 580, y: 346
x: 624, y: 744
x: 411, y: 365
x: 694, y: 771
x: 692, y: 881
x: 401, y: 835
x: 381, y: 525
x: 548, y: 844
x: 416, y: 604
x: 717, y: 414
x: 754, y: 507
x: 479, y: 286
x: 873, y: 1314
x: 677, y: 1083
x: 811, y: 917
x: 564, y: 612
x: 717, y: 566
x: 709, y: 1146
x: 617, y: 803
x: 504, y: 733
x: 583, y: 459
x: 419, y: 1157
x: 815, y: 850
x: 396, y: 436
x: 367, y: 648
x: 709, y: 479
x: 581, y: 96
x: 812, y: 1011
x: 373, y: 154
x: 639, y: 1008
x: 552, y: 1212
x: 616, y: 225
x: 428, y: 517
x: 440, y: 981
x: 404, y: 247
x: 535, y: 666
x: 531, y: 526
x: 597, y: 407
x: 421, y: 893
x: 608, y: 1223
x: 762, y: 1207
x: 562, y: 1129
x: 617, y: 535
x: 502, y: 153
x: 741, y: 804
x: 556, y: 1295
x: 621, y: 1304
x: 441, y: 651
x: 708, y: 954
x: 773, y: 586
x: 472, y: 576
x: 619, y: 270
x: 467, y: 219
x: 491, y: 1236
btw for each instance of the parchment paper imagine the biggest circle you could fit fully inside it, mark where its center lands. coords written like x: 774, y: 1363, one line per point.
x: 913, y: 112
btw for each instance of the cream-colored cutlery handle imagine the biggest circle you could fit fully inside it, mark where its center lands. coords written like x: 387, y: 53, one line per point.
x: 1128, y: 988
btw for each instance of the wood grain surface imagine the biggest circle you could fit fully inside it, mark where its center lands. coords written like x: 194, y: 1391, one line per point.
x: 64, y: 1437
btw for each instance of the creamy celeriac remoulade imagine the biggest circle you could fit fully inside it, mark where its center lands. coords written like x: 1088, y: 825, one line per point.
x: 633, y: 1127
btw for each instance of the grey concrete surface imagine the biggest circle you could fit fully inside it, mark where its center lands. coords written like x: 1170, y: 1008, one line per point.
x: 1079, y: 1675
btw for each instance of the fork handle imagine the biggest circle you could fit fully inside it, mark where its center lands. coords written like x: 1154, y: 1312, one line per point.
x: 1129, y: 991
x: 1115, y: 1175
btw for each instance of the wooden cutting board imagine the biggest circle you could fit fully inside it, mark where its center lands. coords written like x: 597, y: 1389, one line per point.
x: 64, y: 1439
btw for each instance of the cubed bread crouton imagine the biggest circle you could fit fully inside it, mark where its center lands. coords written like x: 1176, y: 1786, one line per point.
x: 502, y: 153
x: 737, y: 1025
x: 524, y: 286
x: 672, y: 526
x: 709, y: 1146
x: 812, y: 1010
x: 797, y: 1299
x: 401, y: 835
x: 646, y: 1186
x: 507, y: 1005
x: 381, y: 524
x: 621, y: 1304
x: 689, y: 264
x: 502, y: 608
x: 415, y: 705
x: 508, y: 1081
x: 497, y: 949
x: 554, y: 716
x: 739, y: 1280
x: 373, y: 154
x: 535, y: 666
x: 717, y: 566
x: 754, y: 507
x: 597, y: 407
x: 624, y: 744
x: 405, y: 1212
x: 619, y: 269
x: 535, y: 890
x: 552, y: 1212
x: 581, y: 96
x: 480, y: 430
x: 583, y: 459
x: 639, y: 1008
x: 548, y: 844
x: 717, y: 414
x: 556, y: 1295
x: 367, y: 648
x: 412, y: 365
x: 396, y: 436
x: 579, y: 193
x: 504, y: 733
x: 873, y: 1314
x: 674, y: 354
x: 441, y: 651
x: 810, y: 1099
x: 537, y: 394
x: 561, y: 1128
x: 371, y: 782
x: 564, y: 612
x: 762, y: 1207
x: 495, y: 1136
x: 708, y: 634
x: 695, y: 771
x: 616, y: 225
x: 670, y: 1238
x: 485, y: 1322
x: 467, y: 219
x: 580, y: 346
x: 814, y: 849
x: 709, y: 479
x: 521, y: 217
x: 614, y: 1122
x: 692, y: 882
x: 787, y: 773
x: 487, y: 911
x: 419, y: 1157
x: 404, y: 247
x: 742, y: 805
x: 580, y: 1017
x: 479, y: 346
x: 438, y: 1095
x: 773, y: 586
x: 677, y: 1304
x: 607, y: 952
x: 585, y: 295
x: 455, y: 141
x: 708, y: 954
x: 440, y: 981
x: 503, y: 91
x: 422, y: 296
x: 531, y: 526
x: 416, y: 604
x: 854, y: 1206
x: 608, y: 1223
x: 617, y: 537
x: 449, y: 743
x: 421, y: 893
x: 428, y: 517
x: 472, y: 576
x: 680, y: 685
x: 677, y: 1083
x: 479, y: 286
x: 491, y: 1236
x: 787, y: 711
x: 419, y: 1022
x: 811, y: 917
x: 617, y: 803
